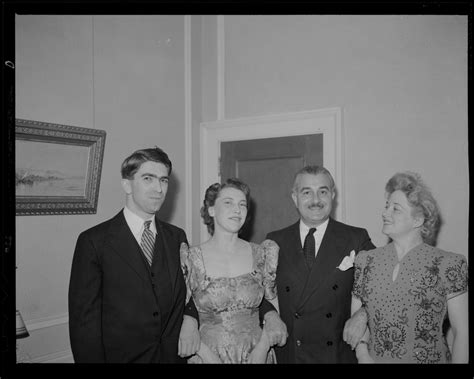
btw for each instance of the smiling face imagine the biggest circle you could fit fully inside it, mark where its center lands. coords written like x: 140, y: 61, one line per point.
x: 398, y: 217
x: 229, y: 210
x: 313, y: 197
x: 146, y: 192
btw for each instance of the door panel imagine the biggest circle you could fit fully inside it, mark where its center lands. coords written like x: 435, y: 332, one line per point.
x: 268, y: 166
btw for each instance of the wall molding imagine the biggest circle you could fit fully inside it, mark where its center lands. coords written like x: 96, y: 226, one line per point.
x: 46, y: 322
x: 220, y: 68
x: 188, y: 152
x: 327, y: 121
x: 64, y: 356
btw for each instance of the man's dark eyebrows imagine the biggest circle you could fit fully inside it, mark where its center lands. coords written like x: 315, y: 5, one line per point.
x: 155, y: 176
x: 231, y: 198
x: 152, y: 175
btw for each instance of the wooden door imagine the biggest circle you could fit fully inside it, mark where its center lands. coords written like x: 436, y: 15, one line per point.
x: 268, y: 166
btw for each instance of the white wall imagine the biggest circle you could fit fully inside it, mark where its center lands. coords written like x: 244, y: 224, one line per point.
x: 121, y: 74
x: 401, y: 82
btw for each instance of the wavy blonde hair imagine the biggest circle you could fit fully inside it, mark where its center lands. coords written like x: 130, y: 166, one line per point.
x: 420, y: 199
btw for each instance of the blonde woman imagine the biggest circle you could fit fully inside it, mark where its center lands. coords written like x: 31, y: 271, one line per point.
x: 409, y: 286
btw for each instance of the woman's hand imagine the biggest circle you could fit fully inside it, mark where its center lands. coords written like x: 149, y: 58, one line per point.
x: 207, y: 355
x: 362, y: 351
x: 355, y: 327
x: 260, y: 351
x: 365, y: 358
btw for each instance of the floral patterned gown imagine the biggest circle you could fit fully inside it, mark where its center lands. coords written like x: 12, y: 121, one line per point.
x: 228, y: 307
x: 406, y: 314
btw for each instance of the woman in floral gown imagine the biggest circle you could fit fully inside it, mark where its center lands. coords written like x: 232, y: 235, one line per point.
x: 228, y: 278
x: 408, y: 287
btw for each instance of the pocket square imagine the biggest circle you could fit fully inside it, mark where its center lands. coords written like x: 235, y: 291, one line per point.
x: 347, y: 262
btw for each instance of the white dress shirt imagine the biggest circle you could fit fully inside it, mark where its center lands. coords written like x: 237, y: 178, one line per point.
x: 318, y: 234
x: 136, y: 224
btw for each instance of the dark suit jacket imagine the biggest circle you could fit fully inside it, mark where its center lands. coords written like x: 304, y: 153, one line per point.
x: 120, y: 308
x: 315, y: 304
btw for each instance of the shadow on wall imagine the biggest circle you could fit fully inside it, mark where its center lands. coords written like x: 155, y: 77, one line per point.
x: 169, y: 205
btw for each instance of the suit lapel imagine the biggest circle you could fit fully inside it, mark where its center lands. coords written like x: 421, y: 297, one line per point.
x: 162, y: 247
x: 294, y: 257
x: 327, y: 259
x: 123, y: 242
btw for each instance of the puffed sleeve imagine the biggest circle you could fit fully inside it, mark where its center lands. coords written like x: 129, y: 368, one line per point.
x: 270, y: 249
x: 187, y: 268
x: 455, y: 274
x: 359, y: 264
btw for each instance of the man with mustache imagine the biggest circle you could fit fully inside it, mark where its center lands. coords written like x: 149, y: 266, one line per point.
x: 315, y: 275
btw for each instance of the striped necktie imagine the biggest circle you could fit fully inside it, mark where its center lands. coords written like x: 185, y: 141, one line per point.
x: 148, y: 242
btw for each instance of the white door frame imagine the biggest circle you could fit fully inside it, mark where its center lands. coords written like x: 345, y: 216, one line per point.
x: 323, y: 121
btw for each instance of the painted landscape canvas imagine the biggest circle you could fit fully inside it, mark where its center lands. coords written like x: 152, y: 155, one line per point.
x: 44, y: 169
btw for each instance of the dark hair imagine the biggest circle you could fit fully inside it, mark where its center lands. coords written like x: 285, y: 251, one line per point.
x: 420, y: 199
x: 314, y: 170
x: 212, y: 193
x: 133, y: 163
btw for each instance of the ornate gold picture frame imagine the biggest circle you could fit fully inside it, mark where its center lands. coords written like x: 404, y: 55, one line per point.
x: 57, y: 168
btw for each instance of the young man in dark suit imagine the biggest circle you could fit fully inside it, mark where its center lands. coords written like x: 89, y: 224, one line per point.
x: 126, y: 290
x: 315, y: 275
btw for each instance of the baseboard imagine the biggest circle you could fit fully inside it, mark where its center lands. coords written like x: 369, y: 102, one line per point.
x: 57, y: 357
x: 47, y: 322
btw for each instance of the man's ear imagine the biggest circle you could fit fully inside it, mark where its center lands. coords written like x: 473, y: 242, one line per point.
x: 295, y: 199
x: 126, y: 185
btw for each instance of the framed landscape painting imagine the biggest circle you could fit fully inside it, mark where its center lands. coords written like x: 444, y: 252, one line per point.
x: 57, y: 168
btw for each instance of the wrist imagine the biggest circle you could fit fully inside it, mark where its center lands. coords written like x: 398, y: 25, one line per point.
x: 261, y: 347
x: 269, y: 314
x: 191, y: 319
x: 363, y: 314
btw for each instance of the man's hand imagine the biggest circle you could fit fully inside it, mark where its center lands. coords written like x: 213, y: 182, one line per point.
x: 189, y: 339
x: 355, y: 327
x: 275, y: 329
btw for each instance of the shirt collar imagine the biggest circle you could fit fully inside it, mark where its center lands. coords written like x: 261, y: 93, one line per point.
x: 319, y: 234
x: 320, y: 229
x: 135, y: 222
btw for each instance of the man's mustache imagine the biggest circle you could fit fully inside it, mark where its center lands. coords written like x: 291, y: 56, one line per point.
x: 319, y: 204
